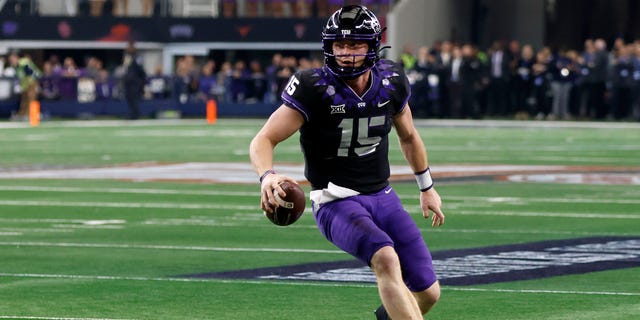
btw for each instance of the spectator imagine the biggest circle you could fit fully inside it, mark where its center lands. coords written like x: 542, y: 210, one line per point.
x: 302, y: 8
x: 133, y: 82
x: 56, y: 67
x: 239, y: 87
x: 11, y: 67
x: 425, y: 85
x: 105, y: 86
x: 69, y: 68
x: 444, y: 56
x: 499, y: 80
x: 598, y: 70
x: 121, y: 8
x: 523, y: 83
x: 229, y: 8
x: 564, y: 75
x: 181, y: 81
x: 257, y: 83
x: 28, y: 74
x: 636, y: 78
x: 49, y: 89
x: 278, y: 8
x: 622, y: 82
x: 96, y: 7
x: 303, y: 64
x: 147, y: 7
x: 453, y: 80
x: 158, y: 85
x: 407, y: 58
x: 541, y: 84
x: 287, y: 69
x: 272, y: 77
x: 224, y: 81
x: 207, y: 82
x: 471, y: 77
x: 93, y: 67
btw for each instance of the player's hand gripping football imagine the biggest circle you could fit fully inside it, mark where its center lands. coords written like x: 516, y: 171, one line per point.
x: 270, y: 184
x: 430, y: 201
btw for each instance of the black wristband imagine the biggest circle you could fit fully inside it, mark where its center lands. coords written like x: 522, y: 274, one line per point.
x: 266, y: 173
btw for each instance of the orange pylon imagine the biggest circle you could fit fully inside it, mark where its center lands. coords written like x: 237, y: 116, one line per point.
x: 212, y: 111
x: 34, y: 113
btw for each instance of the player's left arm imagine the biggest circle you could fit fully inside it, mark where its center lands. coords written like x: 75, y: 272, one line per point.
x: 416, y: 154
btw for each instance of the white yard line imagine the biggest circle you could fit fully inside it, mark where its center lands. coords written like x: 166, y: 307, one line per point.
x: 573, y: 215
x: 164, y: 247
x: 6, y: 233
x: 130, y: 190
x: 257, y: 194
x: 53, y: 318
x: 216, y: 223
x: 600, y: 293
x: 141, y: 205
x: 303, y: 283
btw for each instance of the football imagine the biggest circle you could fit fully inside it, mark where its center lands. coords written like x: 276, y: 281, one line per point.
x: 291, y: 207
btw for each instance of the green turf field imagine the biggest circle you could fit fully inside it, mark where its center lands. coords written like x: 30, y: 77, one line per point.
x: 118, y: 249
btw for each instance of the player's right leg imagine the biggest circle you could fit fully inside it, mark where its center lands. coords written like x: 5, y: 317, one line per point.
x: 427, y: 298
x: 349, y: 225
x: 398, y: 301
x: 414, y: 256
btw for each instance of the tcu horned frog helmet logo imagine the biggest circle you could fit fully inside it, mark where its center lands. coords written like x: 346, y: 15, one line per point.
x: 354, y: 23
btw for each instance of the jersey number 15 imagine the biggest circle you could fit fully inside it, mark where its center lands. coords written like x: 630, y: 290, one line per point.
x: 362, y: 144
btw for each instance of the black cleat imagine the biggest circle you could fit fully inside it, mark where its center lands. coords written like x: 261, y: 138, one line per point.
x: 381, y: 313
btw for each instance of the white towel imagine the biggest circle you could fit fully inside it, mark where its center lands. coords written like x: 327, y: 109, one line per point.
x: 331, y: 193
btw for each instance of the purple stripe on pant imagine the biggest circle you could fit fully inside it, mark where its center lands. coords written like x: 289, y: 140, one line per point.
x: 361, y: 225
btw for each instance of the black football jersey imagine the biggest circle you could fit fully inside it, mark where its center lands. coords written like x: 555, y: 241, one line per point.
x: 345, y: 136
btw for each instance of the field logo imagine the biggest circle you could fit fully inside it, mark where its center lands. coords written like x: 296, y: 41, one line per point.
x: 479, y: 265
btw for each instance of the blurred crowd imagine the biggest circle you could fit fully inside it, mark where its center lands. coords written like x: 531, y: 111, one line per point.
x: 193, y: 80
x: 514, y: 80
x: 448, y: 79
x: 222, y: 8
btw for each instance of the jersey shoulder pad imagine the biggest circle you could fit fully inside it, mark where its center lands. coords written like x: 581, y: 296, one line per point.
x: 395, y: 81
x: 302, y: 90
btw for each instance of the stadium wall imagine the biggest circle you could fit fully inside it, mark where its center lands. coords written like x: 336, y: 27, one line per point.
x: 422, y: 22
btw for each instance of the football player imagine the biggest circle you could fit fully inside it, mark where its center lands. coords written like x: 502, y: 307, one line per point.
x: 344, y: 112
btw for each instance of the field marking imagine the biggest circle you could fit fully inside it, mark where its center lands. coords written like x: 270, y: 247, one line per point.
x: 55, y: 318
x: 82, y: 221
x: 36, y: 230
x: 165, y: 247
x: 548, y: 214
x: 130, y: 190
x: 303, y: 283
x: 140, y: 205
x: 257, y: 194
x: 605, y: 293
x: 10, y: 233
x: 184, y: 222
x: 413, y: 208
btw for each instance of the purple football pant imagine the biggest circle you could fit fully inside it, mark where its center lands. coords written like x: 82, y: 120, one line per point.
x: 363, y: 224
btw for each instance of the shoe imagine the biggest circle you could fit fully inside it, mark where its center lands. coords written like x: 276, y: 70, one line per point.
x: 381, y: 313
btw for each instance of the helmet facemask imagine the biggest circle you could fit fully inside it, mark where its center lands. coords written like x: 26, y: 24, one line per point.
x: 354, y: 23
